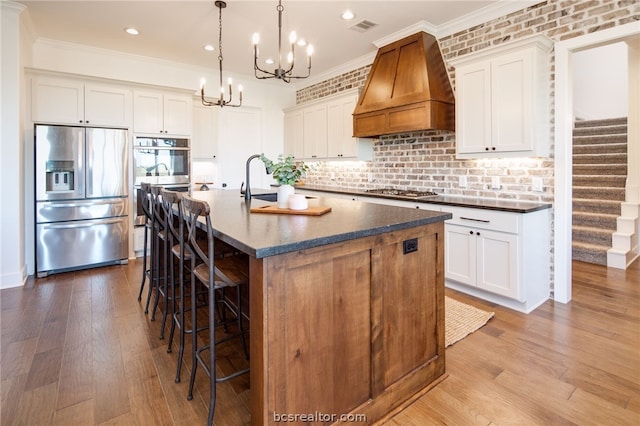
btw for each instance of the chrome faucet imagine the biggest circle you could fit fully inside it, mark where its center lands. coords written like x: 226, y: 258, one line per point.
x: 247, y: 191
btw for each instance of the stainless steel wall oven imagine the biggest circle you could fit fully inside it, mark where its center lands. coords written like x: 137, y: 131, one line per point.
x: 160, y: 161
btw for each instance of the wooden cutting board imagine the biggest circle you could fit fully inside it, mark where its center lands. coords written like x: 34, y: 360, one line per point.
x: 311, y: 211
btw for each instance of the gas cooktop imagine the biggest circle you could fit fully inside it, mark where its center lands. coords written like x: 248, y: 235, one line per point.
x: 402, y: 192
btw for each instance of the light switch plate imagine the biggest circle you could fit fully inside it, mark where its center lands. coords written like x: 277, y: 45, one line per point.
x: 537, y: 185
x: 462, y: 181
x: 495, y: 182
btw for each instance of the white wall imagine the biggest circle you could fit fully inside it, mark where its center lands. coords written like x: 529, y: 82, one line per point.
x: 600, y: 82
x: 12, y: 237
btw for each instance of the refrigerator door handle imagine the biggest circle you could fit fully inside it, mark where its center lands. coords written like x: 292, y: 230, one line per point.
x: 80, y: 224
x: 59, y: 205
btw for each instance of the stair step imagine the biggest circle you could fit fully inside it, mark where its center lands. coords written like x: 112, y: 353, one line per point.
x: 601, y: 139
x: 602, y: 221
x: 602, y: 193
x: 617, y: 148
x: 590, y: 253
x: 601, y: 122
x: 600, y: 158
x: 600, y: 130
x: 589, y: 235
x: 600, y: 169
x: 599, y: 181
x: 597, y: 206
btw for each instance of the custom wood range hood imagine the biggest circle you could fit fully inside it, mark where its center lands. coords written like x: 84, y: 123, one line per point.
x: 407, y: 89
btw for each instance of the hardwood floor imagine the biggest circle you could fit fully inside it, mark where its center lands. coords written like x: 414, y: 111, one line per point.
x: 77, y: 349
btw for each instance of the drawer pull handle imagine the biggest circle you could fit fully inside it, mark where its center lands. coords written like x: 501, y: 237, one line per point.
x: 474, y: 220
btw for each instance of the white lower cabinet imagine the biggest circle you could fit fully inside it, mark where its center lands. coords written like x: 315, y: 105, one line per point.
x: 499, y: 256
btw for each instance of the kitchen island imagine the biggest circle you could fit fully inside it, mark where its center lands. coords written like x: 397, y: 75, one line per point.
x: 347, y: 308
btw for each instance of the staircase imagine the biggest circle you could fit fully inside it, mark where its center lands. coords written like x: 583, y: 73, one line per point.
x: 599, y: 177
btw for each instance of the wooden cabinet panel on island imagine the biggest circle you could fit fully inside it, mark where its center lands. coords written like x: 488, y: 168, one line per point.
x: 162, y: 113
x: 502, y: 101
x: 69, y: 101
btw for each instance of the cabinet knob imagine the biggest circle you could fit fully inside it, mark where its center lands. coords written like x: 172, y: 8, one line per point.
x: 486, y: 148
x: 471, y: 232
x: 493, y: 148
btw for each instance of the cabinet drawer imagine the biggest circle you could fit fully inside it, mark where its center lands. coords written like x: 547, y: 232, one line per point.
x: 484, y: 219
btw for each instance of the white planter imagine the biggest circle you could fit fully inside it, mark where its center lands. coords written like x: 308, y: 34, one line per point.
x: 284, y: 191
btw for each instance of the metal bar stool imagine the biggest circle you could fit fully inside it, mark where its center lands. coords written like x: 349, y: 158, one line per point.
x: 159, y: 264
x: 217, y: 274
x: 149, y: 253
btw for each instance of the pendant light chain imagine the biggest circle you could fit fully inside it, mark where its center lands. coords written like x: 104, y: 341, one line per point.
x: 221, y: 102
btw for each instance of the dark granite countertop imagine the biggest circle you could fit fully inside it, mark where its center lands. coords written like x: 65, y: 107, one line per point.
x: 265, y: 234
x: 449, y: 200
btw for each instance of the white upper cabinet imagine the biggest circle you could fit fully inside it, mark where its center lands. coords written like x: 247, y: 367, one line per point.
x: 323, y: 129
x: 294, y: 134
x: 502, y: 101
x: 162, y: 113
x: 315, y: 131
x: 204, y: 136
x: 66, y: 101
x: 340, y: 140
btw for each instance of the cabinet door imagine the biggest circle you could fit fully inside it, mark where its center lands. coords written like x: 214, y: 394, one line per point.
x: 177, y: 114
x: 294, y: 134
x: 315, y: 131
x: 340, y: 140
x: 147, y: 112
x: 107, y: 106
x: 511, y: 105
x: 460, y: 259
x: 57, y: 101
x: 473, y: 108
x: 204, y: 137
x: 497, y: 266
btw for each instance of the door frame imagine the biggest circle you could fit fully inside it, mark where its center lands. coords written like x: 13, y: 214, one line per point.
x: 564, y: 149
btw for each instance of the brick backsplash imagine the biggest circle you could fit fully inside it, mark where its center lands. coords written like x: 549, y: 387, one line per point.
x: 426, y: 160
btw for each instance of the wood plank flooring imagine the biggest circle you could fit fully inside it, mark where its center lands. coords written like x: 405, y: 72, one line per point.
x: 77, y: 349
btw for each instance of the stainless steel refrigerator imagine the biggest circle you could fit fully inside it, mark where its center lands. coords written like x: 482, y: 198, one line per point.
x: 81, y: 205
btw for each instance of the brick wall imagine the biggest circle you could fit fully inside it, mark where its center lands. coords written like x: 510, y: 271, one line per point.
x: 426, y: 160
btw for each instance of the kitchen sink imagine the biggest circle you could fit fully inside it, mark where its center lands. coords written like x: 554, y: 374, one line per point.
x: 273, y: 196
x: 266, y: 197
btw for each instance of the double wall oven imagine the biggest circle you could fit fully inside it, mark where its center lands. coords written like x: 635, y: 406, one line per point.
x: 159, y: 161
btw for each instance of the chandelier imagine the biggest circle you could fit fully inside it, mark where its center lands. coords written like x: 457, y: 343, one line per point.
x: 280, y: 73
x: 221, y: 102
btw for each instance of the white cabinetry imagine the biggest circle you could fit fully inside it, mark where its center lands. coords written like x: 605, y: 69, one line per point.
x: 68, y: 101
x: 315, y: 131
x: 323, y: 129
x: 204, y: 136
x: 294, y: 134
x: 161, y: 113
x: 502, y: 101
x: 499, y: 256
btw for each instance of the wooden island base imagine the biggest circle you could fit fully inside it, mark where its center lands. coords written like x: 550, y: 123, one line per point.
x: 353, y: 328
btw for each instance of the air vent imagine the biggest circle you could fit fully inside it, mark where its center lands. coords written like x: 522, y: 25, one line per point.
x: 363, y: 26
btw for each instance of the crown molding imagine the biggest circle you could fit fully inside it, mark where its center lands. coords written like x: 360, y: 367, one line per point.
x: 480, y: 16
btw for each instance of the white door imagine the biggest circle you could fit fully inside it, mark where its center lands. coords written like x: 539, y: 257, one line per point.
x: 239, y: 138
x: 460, y: 258
x: 498, y: 263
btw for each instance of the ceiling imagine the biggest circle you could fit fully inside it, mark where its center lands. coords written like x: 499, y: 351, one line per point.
x: 178, y: 30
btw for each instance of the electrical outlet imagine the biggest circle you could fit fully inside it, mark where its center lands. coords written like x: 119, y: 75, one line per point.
x: 462, y: 181
x: 495, y: 182
x: 537, y: 185
x: 332, y: 176
x: 409, y: 246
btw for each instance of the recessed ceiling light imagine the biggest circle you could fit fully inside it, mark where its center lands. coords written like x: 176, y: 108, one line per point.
x: 208, y: 48
x: 347, y: 15
x: 132, y: 31
x: 269, y: 61
x: 301, y: 42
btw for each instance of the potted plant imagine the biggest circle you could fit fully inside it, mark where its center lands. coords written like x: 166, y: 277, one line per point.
x: 287, y: 173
